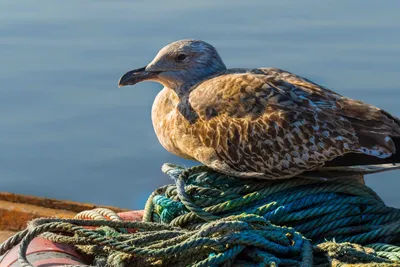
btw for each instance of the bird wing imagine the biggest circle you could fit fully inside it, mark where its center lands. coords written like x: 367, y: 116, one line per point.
x: 274, y: 122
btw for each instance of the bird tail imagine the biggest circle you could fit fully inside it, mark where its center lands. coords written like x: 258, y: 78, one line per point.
x: 348, y: 171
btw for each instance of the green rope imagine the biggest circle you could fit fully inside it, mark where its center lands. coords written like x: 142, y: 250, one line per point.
x: 213, y: 244
x: 209, y: 219
x: 341, y: 209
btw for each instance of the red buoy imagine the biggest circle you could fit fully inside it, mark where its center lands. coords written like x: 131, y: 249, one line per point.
x: 44, y: 253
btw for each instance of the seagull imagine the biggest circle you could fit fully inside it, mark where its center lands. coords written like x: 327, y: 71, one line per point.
x: 263, y: 122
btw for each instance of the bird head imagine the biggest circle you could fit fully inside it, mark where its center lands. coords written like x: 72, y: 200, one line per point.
x: 178, y: 66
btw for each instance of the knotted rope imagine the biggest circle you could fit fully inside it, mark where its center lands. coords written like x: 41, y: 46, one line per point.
x: 209, y: 219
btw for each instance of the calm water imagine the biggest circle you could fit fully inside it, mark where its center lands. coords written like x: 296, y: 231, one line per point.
x: 67, y: 132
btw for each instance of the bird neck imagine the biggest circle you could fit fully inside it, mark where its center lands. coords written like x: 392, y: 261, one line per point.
x: 186, y: 110
x: 184, y: 88
x: 183, y: 91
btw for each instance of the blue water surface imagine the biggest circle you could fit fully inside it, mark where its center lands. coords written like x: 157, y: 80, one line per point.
x: 68, y: 132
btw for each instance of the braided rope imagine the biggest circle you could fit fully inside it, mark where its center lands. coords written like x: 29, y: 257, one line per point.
x: 209, y: 219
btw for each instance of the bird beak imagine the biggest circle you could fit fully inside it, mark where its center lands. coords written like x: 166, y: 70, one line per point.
x: 135, y: 76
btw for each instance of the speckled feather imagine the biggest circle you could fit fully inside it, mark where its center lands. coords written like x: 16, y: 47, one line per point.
x: 266, y: 123
x: 269, y: 123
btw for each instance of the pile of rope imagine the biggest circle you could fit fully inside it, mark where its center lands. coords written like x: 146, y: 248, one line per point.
x: 209, y: 219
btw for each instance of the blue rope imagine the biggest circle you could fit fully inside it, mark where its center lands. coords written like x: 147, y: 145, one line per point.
x: 209, y: 219
x: 341, y: 210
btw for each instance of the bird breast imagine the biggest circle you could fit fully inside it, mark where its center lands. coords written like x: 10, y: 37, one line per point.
x: 169, y: 125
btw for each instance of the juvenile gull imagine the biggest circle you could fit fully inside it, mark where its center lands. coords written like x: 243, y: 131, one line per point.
x: 266, y: 122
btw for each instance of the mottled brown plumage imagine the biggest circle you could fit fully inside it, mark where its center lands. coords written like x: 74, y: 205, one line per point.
x: 265, y: 123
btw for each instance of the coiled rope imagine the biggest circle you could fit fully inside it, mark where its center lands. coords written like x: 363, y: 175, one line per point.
x: 209, y: 219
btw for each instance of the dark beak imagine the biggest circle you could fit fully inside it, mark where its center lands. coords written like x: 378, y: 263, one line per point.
x: 135, y: 76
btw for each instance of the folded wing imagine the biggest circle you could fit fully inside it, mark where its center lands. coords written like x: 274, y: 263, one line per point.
x: 273, y: 122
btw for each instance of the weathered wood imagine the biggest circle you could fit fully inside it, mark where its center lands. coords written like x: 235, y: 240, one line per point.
x: 16, y: 210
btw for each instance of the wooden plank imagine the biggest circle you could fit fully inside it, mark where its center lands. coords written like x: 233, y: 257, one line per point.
x: 52, y: 203
x: 17, y: 210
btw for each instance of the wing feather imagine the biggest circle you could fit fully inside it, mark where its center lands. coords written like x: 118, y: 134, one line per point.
x: 274, y: 122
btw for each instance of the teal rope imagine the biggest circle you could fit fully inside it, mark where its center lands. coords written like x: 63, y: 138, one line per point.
x: 215, y: 243
x: 185, y: 199
x: 209, y: 219
x: 341, y: 209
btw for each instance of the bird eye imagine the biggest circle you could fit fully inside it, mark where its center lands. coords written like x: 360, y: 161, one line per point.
x: 181, y: 57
